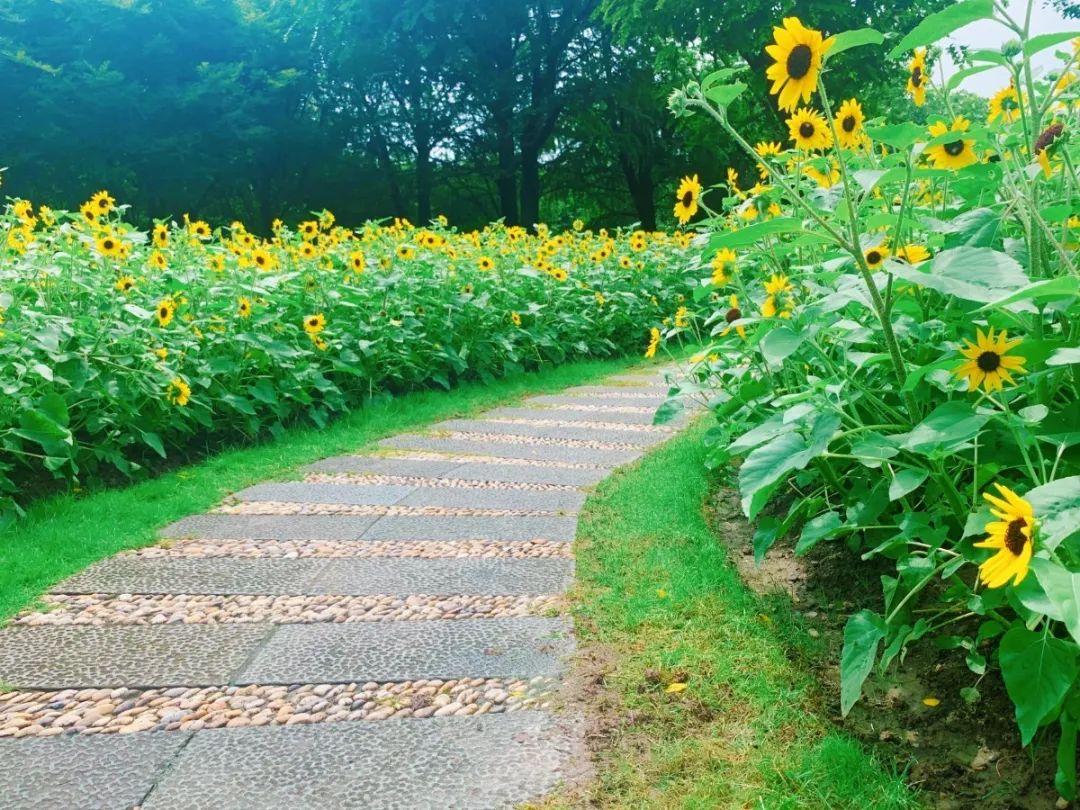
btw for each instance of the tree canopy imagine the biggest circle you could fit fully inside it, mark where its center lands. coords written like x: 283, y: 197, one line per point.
x: 525, y: 110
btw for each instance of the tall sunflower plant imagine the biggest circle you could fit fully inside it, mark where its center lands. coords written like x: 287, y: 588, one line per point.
x: 894, y: 310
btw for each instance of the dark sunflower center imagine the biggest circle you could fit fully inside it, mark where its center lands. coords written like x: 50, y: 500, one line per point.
x: 798, y: 61
x: 848, y: 123
x: 733, y: 315
x: 807, y: 129
x: 108, y: 243
x: 954, y: 148
x: 916, y: 77
x: 1015, y: 539
x: 163, y: 312
x: 988, y: 361
x: 873, y: 257
x: 686, y: 199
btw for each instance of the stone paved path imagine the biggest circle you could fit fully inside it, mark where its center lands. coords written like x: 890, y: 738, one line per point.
x: 239, y: 663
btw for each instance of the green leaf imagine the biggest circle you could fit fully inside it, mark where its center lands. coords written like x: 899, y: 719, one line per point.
x: 1057, y: 509
x: 1062, y: 589
x: 752, y: 234
x: 1065, y: 778
x: 862, y: 634
x: 1064, y: 357
x: 767, y: 531
x: 765, y: 467
x: 1038, y: 670
x: 1044, y: 41
x: 668, y: 411
x: 958, y: 77
x: 905, y: 481
x: 722, y: 95
x: 854, y: 39
x: 899, y: 136
x: 719, y: 77
x: 54, y: 406
x: 780, y: 343
x: 943, y: 23
x: 969, y: 273
x: 153, y: 441
x: 1047, y: 289
x: 947, y: 428
x: 820, y: 528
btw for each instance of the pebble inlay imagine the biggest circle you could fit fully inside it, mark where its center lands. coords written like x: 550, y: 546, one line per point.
x: 294, y: 508
x: 154, y: 609
x: 576, y: 423
x: 432, y: 483
x: 465, y: 458
x: 418, y: 549
x: 125, y: 711
x: 543, y: 441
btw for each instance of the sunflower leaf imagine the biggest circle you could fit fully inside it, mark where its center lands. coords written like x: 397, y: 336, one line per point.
x: 977, y: 274
x: 950, y: 426
x: 854, y: 39
x: 723, y: 94
x: 943, y: 23
x: 1046, y: 289
x: 1062, y: 589
x: 1057, y: 508
x: 862, y: 635
x: 899, y: 136
x: 1044, y: 41
x: 1038, y: 670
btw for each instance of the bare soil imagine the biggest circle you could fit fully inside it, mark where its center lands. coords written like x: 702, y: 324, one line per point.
x: 959, y: 755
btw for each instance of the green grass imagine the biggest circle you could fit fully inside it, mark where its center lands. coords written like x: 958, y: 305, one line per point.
x: 660, y: 603
x: 62, y: 534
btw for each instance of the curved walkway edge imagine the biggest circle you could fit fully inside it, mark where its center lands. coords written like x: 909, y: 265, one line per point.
x: 386, y: 633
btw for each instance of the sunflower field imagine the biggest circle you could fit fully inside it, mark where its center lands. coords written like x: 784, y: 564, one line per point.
x: 119, y: 346
x: 895, y: 364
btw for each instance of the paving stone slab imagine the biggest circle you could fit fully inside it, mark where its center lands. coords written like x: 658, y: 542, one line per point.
x: 103, y: 772
x: 569, y: 415
x: 148, y: 575
x: 462, y: 498
x: 425, y: 527
x: 83, y: 657
x: 271, y: 527
x: 444, y: 577
x: 463, y: 763
x: 613, y: 394
x: 378, y: 465
x: 537, y: 452
x: 405, y: 651
x: 353, y: 494
x: 587, y: 434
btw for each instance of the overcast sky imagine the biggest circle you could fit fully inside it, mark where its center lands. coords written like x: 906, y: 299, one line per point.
x: 988, y: 34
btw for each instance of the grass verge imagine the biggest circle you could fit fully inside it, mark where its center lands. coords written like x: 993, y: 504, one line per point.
x: 62, y: 534
x: 658, y: 606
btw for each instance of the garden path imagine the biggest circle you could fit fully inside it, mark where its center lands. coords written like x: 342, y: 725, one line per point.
x: 241, y: 662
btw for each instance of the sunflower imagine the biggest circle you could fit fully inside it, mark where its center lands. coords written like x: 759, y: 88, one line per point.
x: 916, y: 83
x: 808, y: 129
x: 849, y: 121
x: 516, y: 318
x: 313, y: 324
x: 912, y: 254
x: 166, y: 308
x: 578, y: 225
x: 988, y: 363
x: 405, y: 252
x: 1011, y: 534
x: 686, y: 199
x: 625, y: 262
x: 875, y: 256
x: 243, y: 307
x: 178, y: 392
x: 109, y: 245
x: 733, y: 314
x: 654, y: 342
x: 89, y: 215
x: 953, y: 154
x: 217, y: 264
x: 199, y: 229
x: 356, y: 259
x: 720, y: 262
x: 157, y: 259
x: 485, y: 263
x: 262, y: 258
x: 559, y: 274
x: 125, y: 283
x: 309, y: 230
x: 24, y: 210
x: 778, y: 283
x: 161, y: 235
x: 308, y: 251
x: 1004, y: 104
x: 798, y: 52
x: 102, y: 203
x: 769, y: 148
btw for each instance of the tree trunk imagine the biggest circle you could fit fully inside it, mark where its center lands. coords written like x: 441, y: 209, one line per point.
x: 423, y: 176
x: 506, y: 178
x: 640, y: 184
x: 530, y: 185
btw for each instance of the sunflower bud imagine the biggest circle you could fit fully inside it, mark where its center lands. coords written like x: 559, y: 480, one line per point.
x: 1011, y: 48
x: 1048, y: 137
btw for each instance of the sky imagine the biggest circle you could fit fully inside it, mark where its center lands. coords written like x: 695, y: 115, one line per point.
x: 989, y: 34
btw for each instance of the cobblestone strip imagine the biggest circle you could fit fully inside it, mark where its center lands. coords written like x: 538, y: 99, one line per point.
x: 124, y: 710
x: 466, y: 458
x: 417, y: 549
x: 572, y: 423
x: 571, y: 406
x: 432, y: 483
x: 298, y: 508
x: 548, y: 441
x: 155, y: 609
